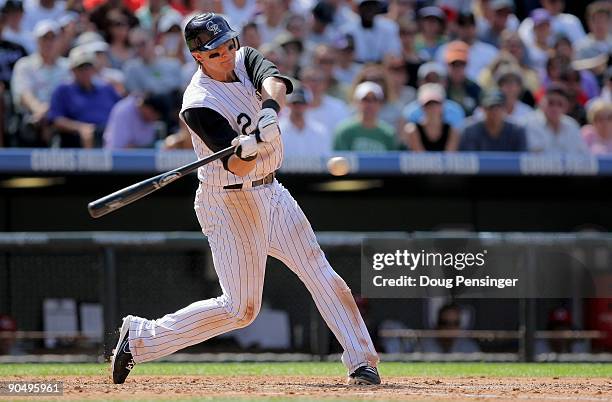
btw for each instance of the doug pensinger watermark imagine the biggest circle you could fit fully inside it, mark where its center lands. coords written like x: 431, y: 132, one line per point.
x: 474, y: 268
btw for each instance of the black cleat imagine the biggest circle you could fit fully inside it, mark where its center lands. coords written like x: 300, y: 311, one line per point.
x: 364, y: 375
x: 122, y: 361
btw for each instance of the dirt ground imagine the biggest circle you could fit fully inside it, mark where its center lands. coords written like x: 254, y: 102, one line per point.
x: 290, y: 387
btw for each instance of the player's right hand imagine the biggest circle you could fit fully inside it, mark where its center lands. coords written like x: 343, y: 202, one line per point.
x: 246, y: 147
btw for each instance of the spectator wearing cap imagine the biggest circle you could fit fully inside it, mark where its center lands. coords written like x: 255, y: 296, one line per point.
x: 599, y: 39
x: 538, y: 49
x: 238, y: 12
x: 452, y: 112
x: 151, y: 12
x: 432, y: 133
x: 149, y: 73
x: 391, y: 110
x: 510, y: 82
x: 270, y: 23
x: 496, y: 17
x: 132, y: 122
x: 550, y: 130
x: 294, y: 50
x: 560, y: 23
x: 479, y: 54
x: 493, y: 132
x: 171, y: 38
x: 365, y: 132
x: 432, y: 27
x: 598, y: 133
x: 407, y: 31
x: 42, y: 10
x: 374, y: 35
x: 325, y: 109
x: 322, y: 29
x: 79, y: 109
x: 35, y: 77
x: 459, y: 87
x: 94, y: 43
x: 13, y: 30
x: 346, y: 67
x: 302, y: 137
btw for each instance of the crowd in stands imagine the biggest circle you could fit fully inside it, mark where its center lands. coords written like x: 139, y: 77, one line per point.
x: 371, y: 75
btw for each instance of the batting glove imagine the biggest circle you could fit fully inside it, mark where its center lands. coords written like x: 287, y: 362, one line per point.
x: 268, y: 124
x: 246, y: 147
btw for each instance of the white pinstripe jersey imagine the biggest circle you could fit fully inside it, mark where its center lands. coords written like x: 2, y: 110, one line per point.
x: 238, y: 103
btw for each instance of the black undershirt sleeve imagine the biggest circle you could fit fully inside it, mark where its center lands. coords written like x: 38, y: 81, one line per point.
x: 212, y: 128
x: 258, y: 68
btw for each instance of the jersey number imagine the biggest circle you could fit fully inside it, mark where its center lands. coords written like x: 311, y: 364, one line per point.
x: 247, y: 123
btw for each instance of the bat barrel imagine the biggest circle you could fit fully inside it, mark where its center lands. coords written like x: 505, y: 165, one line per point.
x: 125, y: 196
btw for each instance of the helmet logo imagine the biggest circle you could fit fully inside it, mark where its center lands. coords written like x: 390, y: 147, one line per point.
x: 212, y: 27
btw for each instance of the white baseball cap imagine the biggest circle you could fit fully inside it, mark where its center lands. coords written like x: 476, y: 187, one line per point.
x: 169, y: 20
x: 365, y: 88
x: 79, y: 56
x: 431, y: 92
x: 44, y: 27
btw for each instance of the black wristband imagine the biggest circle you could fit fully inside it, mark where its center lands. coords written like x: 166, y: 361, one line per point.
x: 238, y: 153
x: 249, y: 158
x: 272, y: 104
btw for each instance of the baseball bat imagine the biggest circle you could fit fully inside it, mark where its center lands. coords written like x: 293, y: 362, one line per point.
x: 128, y: 195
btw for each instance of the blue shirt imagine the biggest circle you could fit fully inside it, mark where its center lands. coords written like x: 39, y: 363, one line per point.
x: 126, y: 128
x: 452, y: 113
x: 511, y: 138
x: 88, y: 106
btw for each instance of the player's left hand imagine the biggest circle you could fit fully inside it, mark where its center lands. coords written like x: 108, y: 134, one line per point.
x: 267, y: 123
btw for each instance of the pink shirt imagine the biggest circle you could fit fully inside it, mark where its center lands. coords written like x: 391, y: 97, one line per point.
x: 596, y: 144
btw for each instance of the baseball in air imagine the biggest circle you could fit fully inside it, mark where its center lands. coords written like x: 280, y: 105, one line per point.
x: 338, y: 166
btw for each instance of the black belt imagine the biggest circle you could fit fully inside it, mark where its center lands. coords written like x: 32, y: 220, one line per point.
x: 266, y: 180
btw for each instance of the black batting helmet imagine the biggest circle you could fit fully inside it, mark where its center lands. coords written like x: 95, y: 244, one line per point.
x: 207, y: 31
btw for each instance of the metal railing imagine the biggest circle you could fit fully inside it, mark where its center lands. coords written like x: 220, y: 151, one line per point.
x: 107, y: 243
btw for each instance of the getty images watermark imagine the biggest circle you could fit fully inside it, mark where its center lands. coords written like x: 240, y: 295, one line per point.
x: 412, y: 261
x: 471, y: 268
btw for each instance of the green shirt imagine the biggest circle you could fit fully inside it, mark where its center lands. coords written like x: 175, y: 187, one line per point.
x: 352, y: 136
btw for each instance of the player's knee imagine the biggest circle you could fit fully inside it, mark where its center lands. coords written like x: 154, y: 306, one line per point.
x: 338, y: 284
x: 247, y: 315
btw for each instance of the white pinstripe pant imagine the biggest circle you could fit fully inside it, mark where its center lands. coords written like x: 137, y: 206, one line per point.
x: 244, y: 227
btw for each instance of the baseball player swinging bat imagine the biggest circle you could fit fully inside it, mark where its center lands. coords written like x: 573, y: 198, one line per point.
x: 246, y: 213
x: 128, y: 195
